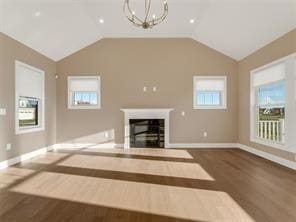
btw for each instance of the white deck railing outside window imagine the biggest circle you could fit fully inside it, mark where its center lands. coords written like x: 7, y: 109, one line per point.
x: 271, y: 130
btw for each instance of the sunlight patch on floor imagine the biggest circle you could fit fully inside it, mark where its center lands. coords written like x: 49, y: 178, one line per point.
x: 179, y: 202
x: 12, y: 175
x: 152, y: 167
x: 145, y: 152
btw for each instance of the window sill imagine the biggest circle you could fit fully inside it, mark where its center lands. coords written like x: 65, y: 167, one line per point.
x: 209, y: 107
x: 276, y: 145
x: 84, y: 107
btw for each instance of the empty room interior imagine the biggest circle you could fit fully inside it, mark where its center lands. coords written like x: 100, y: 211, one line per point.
x: 148, y: 110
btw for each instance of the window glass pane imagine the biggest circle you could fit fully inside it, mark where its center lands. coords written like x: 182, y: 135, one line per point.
x: 28, y: 112
x: 85, y: 98
x: 271, y: 112
x: 93, y: 99
x: 200, y: 99
x: 272, y: 93
x: 216, y: 99
x: 208, y: 98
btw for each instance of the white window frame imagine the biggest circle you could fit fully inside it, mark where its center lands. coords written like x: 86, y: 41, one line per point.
x: 290, y: 105
x: 41, y: 106
x: 223, y: 98
x: 70, y: 98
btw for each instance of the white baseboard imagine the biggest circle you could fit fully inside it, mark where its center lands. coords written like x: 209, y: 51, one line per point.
x: 273, y: 158
x: 276, y: 159
x: 118, y: 145
x: 86, y: 145
x: 203, y: 145
x: 26, y: 156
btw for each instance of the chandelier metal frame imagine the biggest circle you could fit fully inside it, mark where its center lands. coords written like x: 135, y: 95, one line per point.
x: 145, y: 22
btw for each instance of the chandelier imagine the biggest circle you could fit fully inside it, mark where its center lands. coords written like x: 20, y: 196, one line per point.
x: 147, y: 21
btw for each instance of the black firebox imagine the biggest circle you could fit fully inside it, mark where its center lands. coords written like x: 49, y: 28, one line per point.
x: 145, y: 133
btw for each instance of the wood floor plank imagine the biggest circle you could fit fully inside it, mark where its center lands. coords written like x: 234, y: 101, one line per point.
x: 147, y: 185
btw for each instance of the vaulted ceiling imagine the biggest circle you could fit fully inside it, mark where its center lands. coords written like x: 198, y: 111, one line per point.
x: 58, y: 28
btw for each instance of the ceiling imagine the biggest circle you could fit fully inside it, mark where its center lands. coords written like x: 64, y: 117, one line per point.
x: 58, y: 28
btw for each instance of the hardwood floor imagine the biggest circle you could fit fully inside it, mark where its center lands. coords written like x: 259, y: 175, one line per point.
x: 147, y: 185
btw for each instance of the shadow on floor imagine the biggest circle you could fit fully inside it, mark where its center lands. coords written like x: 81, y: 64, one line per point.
x: 30, y: 208
x: 264, y: 190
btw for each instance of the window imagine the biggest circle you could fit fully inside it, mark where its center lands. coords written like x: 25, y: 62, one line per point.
x: 29, y: 99
x: 84, y: 92
x: 273, y: 104
x: 269, y: 89
x: 209, y: 92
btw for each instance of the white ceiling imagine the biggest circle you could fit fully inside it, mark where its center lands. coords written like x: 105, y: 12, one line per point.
x: 234, y: 27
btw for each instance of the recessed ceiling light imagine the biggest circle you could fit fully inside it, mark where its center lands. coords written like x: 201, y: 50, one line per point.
x: 37, y: 14
x: 192, y: 21
x: 101, y: 21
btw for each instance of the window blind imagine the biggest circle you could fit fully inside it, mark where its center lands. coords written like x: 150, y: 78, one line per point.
x: 269, y: 75
x: 84, y: 84
x: 210, y: 84
x: 30, y: 82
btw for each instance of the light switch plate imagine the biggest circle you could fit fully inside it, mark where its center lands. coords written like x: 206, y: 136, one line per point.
x: 2, y: 111
x: 8, y: 146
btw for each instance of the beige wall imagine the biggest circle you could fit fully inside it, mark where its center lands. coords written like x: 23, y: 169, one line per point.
x: 126, y: 66
x: 11, y: 50
x: 280, y: 48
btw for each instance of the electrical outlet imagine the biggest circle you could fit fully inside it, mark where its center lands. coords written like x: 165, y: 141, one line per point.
x: 144, y: 89
x: 2, y: 112
x: 8, y: 146
x: 183, y: 113
x: 205, y: 134
x: 154, y: 89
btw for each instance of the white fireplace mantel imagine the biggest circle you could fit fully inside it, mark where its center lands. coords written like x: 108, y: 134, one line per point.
x: 156, y: 113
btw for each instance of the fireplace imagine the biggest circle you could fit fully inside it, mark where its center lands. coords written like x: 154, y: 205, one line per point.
x: 145, y: 133
x: 147, y: 127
